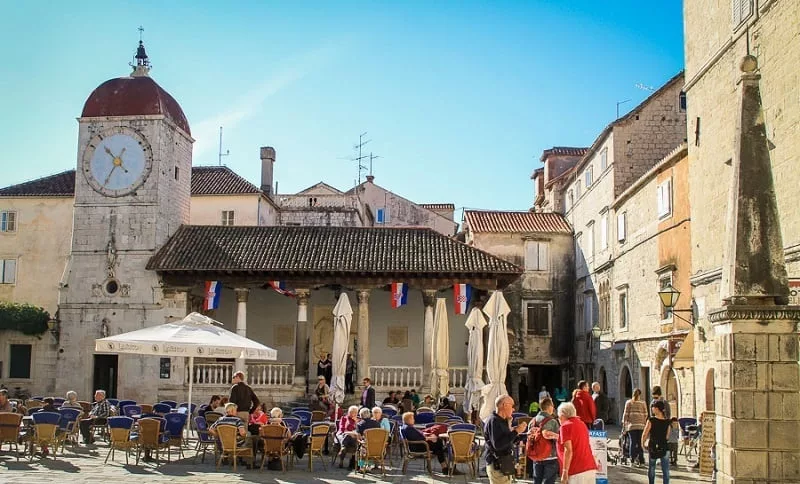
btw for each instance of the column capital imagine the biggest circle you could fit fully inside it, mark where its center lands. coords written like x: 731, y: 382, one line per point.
x: 363, y: 296
x: 242, y: 294
x: 302, y: 296
x: 429, y: 297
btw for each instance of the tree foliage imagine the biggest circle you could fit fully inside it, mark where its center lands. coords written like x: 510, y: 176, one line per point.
x: 25, y: 318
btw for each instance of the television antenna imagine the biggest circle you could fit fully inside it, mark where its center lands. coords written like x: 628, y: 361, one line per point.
x: 221, y: 154
x: 618, y: 104
x: 641, y: 86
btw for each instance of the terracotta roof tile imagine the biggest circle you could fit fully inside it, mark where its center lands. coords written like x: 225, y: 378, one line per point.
x: 564, y: 151
x: 206, y: 180
x: 320, y: 250
x: 516, y: 222
x: 438, y: 206
x: 219, y: 180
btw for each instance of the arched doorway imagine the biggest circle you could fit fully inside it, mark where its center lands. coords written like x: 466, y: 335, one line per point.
x: 669, y: 385
x: 601, y: 379
x: 710, y: 390
x: 625, y: 385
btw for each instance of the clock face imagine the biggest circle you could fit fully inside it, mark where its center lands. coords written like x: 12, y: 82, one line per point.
x: 117, y: 161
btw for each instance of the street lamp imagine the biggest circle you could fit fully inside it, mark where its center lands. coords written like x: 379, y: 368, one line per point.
x: 596, y: 331
x: 55, y: 330
x: 669, y: 298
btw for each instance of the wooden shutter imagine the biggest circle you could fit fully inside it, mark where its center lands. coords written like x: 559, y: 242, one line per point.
x: 544, y: 256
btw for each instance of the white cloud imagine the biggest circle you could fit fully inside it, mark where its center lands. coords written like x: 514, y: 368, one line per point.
x: 206, y: 132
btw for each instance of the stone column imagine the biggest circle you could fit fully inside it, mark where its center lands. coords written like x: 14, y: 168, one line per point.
x: 301, y: 343
x: 363, y: 333
x: 241, y: 320
x: 514, y: 374
x: 428, y: 300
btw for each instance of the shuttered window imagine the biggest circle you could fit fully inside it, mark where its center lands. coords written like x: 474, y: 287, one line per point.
x: 19, y: 361
x: 8, y: 271
x: 538, y: 318
x: 741, y: 10
x: 537, y: 256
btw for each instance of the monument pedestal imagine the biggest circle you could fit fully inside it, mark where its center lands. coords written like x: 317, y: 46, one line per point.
x: 757, y: 382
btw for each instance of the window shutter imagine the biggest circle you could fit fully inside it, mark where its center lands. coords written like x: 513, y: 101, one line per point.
x: 604, y: 231
x: 9, y: 271
x: 621, y: 227
x: 544, y: 256
x: 668, y: 196
x: 379, y: 216
x: 532, y: 256
x: 12, y: 221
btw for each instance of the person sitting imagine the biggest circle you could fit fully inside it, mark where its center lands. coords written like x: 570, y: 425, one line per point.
x: 427, y: 401
x: 220, y: 409
x: 230, y: 418
x: 257, y: 419
x: 5, y: 403
x: 71, y: 401
x: 414, y: 397
x: 407, y: 403
x: 445, y: 403
x: 213, y: 404
x: 98, y: 415
x: 347, y: 436
x: 366, y: 422
x: 390, y: 400
x: 321, y: 397
x: 49, y: 405
x: 414, y: 437
x: 276, y: 416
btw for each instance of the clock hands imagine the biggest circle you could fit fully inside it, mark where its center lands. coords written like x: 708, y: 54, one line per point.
x: 109, y: 175
x: 117, y: 160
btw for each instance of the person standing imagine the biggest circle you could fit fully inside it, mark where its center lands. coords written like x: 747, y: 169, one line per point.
x: 329, y: 369
x: 634, y: 418
x: 545, y: 471
x: 601, y: 403
x: 350, y: 367
x: 574, y: 451
x: 368, y: 395
x: 584, y: 404
x: 655, y: 436
x: 543, y: 393
x: 500, y: 439
x: 322, y: 367
x: 243, y: 396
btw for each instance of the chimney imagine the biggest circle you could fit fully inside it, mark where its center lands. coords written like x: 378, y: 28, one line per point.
x: 267, y: 160
x: 370, y: 178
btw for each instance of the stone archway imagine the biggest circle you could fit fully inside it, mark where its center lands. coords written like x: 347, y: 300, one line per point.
x: 602, y: 380
x: 710, y: 390
x: 671, y: 388
x: 625, y: 384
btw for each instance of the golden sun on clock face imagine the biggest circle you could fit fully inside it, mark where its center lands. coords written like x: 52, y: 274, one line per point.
x: 117, y: 161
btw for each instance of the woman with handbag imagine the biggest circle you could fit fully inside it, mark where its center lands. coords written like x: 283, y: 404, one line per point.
x: 655, y: 438
x: 500, y: 441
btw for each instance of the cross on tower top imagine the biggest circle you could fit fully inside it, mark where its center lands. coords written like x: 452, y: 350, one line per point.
x: 141, y: 64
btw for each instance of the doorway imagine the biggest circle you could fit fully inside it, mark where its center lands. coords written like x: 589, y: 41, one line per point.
x: 105, y: 374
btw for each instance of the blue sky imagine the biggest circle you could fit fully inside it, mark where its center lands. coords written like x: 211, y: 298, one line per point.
x: 458, y: 98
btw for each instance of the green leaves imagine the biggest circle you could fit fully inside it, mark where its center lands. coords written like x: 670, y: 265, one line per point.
x: 25, y: 318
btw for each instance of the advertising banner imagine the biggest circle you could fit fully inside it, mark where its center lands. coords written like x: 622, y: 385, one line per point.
x: 598, y: 440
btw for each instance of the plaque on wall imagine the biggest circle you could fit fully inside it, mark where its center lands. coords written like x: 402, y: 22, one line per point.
x: 284, y: 335
x: 397, y: 336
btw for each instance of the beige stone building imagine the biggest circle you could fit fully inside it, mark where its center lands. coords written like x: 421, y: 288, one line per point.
x: 540, y: 300
x: 715, y: 42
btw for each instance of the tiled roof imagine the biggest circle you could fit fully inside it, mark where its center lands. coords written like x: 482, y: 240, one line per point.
x: 58, y: 185
x: 206, y: 180
x: 438, y: 206
x: 219, y: 180
x: 516, y: 222
x: 564, y: 151
x: 320, y: 250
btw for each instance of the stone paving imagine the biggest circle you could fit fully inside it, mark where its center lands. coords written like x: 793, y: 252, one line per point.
x: 86, y: 464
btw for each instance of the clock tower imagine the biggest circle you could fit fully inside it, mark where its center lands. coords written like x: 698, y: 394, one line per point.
x: 132, y: 192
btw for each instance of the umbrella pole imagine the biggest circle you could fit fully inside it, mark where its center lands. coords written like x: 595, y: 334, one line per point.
x: 189, y: 401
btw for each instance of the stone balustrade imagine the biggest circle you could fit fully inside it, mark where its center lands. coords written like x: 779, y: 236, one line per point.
x: 258, y: 374
x: 396, y: 377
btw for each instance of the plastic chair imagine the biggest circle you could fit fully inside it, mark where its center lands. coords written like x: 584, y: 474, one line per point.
x: 186, y: 405
x: 463, y: 426
x: 9, y: 431
x: 204, y: 439
x: 304, y: 416
x: 69, y: 426
x: 389, y: 412
x: 171, y: 403
x: 119, y: 429
x: 131, y: 410
x: 152, y: 436
x: 58, y: 401
x: 425, y: 418
x: 45, y: 431
x: 123, y: 404
x: 162, y: 408
x: 445, y: 411
x: 292, y: 423
x: 176, y: 422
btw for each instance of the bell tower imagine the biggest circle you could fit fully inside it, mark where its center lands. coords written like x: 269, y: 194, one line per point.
x: 132, y: 192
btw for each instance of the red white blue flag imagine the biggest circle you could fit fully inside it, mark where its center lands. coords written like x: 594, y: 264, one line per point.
x: 399, y: 294
x: 213, y: 292
x: 462, y: 294
x: 280, y: 288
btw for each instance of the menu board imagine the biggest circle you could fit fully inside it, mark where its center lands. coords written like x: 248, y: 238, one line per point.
x: 598, y: 439
x: 707, y: 441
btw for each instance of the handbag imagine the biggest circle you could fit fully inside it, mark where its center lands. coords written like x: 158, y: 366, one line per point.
x: 506, y: 464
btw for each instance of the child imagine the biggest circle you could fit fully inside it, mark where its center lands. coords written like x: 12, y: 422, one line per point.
x: 674, y: 435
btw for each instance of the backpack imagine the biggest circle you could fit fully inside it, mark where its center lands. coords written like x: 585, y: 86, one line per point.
x: 538, y: 448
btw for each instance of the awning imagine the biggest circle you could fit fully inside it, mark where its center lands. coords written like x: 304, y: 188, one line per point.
x: 684, y: 358
x: 619, y: 346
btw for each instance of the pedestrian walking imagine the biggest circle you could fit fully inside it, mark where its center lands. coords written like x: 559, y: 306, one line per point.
x: 655, y: 437
x: 574, y: 452
x: 634, y: 419
x: 243, y: 396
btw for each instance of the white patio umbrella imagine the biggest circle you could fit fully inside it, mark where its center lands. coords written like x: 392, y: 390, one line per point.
x: 472, y: 388
x: 194, y: 335
x: 497, y: 310
x: 440, y: 350
x: 342, y: 317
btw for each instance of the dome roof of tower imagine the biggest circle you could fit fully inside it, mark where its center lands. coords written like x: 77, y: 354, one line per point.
x: 134, y: 96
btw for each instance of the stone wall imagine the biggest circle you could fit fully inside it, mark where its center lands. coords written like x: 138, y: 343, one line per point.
x: 402, y: 212
x: 207, y: 210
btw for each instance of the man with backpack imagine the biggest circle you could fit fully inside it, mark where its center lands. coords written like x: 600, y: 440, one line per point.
x: 541, y: 445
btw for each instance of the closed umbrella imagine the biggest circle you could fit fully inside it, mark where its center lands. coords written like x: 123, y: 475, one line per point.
x: 472, y: 388
x: 497, y: 310
x: 194, y: 335
x: 342, y: 317
x: 440, y: 350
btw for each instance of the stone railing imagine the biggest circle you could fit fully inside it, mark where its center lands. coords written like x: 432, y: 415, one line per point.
x: 261, y: 374
x: 317, y: 201
x: 457, y: 376
x: 396, y: 377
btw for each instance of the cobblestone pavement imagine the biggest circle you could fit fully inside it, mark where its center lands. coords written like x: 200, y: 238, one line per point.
x: 86, y: 464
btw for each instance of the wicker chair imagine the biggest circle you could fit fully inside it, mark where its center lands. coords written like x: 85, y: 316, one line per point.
x: 463, y: 450
x: 408, y: 455
x: 152, y: 437
x: 275, y: 438
x: 9, y: 430
x: 45, y: 431
x: 316, y: 444
x: 227, y: 438
x: 318, y: 416
x: 119, y: 429
x: 146, y: 408
x: 373, y: 448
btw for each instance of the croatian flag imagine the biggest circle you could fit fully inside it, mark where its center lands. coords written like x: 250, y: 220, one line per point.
x: 280, y: 288
x: 462, y: 293
x: 399, y: 294
x: 213, y: 291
